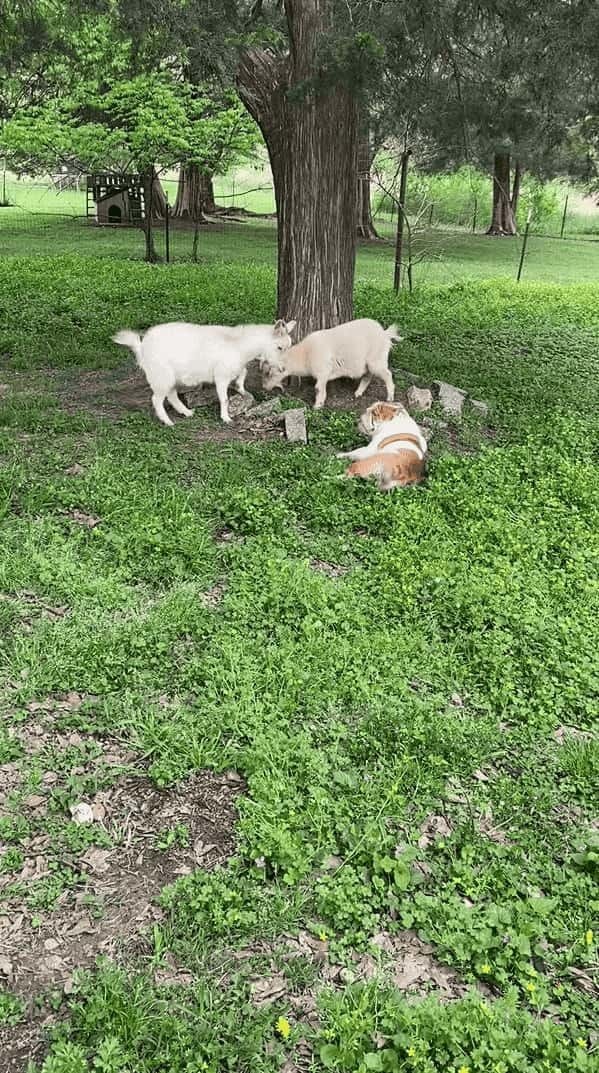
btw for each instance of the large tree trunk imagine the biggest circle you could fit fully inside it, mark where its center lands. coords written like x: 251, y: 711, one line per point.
x: 311, y: 136
x: 502, y: 220
x: 366, y: 228
x: 195, y: 193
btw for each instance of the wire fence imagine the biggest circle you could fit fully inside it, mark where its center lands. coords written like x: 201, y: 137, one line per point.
x: 52, y: 218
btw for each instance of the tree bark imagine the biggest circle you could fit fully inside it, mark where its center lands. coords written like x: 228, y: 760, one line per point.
x: 401, y: 216
x: 158, y: 198
x: 148, y: 184
x: 366, y: 228
x: 195, y: 193
x: 311, y: 137
x: 516, y: 190
x: 502, y: 219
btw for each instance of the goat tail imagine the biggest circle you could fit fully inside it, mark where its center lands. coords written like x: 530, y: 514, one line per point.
x: 392, y: 333
x: 130, y: 339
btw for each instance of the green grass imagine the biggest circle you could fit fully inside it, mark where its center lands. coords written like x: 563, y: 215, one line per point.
x: 331, y: 697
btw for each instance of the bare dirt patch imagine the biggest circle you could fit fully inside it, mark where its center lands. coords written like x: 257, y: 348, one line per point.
x: 21, y: 1044
x: 154, y: 836
x: 332, y: 570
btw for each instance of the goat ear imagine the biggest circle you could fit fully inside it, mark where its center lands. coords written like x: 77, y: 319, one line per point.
x: 291, y: 325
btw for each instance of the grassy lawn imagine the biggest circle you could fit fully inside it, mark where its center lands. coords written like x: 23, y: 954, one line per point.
x: 336, y: 748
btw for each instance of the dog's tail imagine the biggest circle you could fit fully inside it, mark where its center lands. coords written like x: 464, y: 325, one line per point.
x: 392, y: 333
x: 130, y: 339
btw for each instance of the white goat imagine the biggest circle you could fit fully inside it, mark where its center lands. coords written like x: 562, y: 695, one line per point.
x: 359, y: 348
x: 186, y: 355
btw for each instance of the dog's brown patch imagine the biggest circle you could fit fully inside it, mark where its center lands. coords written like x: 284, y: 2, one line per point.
x: 392, y: 470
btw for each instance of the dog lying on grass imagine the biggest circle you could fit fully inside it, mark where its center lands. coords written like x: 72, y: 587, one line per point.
x: 359, y: 348
x: 180, y: 355
x: 396, y: 454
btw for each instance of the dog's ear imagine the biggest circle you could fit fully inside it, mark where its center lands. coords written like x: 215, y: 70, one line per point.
x: 384, y: 411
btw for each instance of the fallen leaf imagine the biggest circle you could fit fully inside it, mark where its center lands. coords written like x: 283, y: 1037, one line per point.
x: 34, y: 868
x: 97, y: 860
x: 82, y: 927
x: 98, y: 811
x: 434, y: 826
x: 74, y: 471
x: 457, y: 700
x: 565, y: 733
x: 383, y: 941
x: 81, y: 813
x: 6, y: 967
x: 366, y: 968
x: 79, y: 516
x: 268, y: 989
x: 41, y: 705
x: 332, y: 863
x: 52, y: 963
x: 202, y: 849
x: 412, y: 968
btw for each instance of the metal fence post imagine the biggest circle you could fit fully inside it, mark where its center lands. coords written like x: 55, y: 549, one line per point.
x: 524, y: 243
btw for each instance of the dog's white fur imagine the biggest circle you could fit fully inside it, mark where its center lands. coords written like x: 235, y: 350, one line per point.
x: 185, y: 355
x: 399, y: 424
x: 359, y: 348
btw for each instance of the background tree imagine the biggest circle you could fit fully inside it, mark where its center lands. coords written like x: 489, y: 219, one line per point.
x: 222, y: 133
x: 503, y: 91
x: 134, y: 124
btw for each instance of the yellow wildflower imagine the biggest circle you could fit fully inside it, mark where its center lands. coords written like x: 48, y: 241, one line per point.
x: 464, y: 1069
x: 411, y: 1052
x: 589, y: 937
x: 283, y: 1027
x: 581, y: 1042
x: 486, y: 967
x: 530, y: 987
x: 322, y: 935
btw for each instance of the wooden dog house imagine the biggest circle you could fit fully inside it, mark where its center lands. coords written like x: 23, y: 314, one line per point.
x: 115, y: 200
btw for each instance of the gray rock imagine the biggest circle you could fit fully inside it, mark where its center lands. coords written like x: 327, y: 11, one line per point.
x: 295, y: 426
x: 451, y: 398
x: 268, y: 408
x: 240, y: 404
x: 480, y: 407
x: 419, y: 398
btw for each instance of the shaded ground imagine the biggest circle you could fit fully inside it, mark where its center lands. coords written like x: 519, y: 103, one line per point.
x: 94, y: 862
x: 155, y: 836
